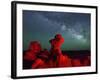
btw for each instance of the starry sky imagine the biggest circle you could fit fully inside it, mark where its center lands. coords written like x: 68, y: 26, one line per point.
x: 43, y: 25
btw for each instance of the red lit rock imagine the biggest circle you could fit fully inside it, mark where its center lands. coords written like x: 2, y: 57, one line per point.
x: 64, y: 61
x: 42, y: 60
x: 56, y: 43
x: 57, y: 58
x: 86, y: 61
x: 33, y: 51
x: 76, y: 63
x: 35, y: 46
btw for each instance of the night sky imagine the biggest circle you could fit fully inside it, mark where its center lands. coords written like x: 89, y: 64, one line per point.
x: 42, y: 26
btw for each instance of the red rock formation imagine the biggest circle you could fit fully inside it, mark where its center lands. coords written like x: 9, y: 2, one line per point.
x: 76, y: 63
x: 53, y: 58
x: 87, y: 61
x: 42, y: 60
x: 56, y: 43
x: 33, y: 50
x: 58, y: 59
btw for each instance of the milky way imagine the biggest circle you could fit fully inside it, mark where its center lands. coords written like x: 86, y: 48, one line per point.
x: 42, y: 26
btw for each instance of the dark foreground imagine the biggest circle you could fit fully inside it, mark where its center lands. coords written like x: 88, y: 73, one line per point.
x: 77, y: 59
